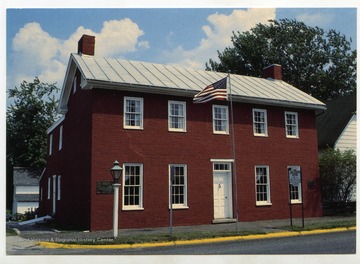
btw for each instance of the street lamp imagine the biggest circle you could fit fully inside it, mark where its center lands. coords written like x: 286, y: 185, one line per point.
x: 116, y: 174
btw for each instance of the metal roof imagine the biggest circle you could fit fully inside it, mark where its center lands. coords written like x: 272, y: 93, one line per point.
x: 144, y: 76
x: 25, y: 197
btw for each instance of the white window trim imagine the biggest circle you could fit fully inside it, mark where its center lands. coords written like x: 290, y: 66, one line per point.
x: 60, y: 137
x: 141, y: 113
x: 265, y: 134
x: 268, y: 202
x: 74, y: 85
x: 58, y: 187
x: 54, y: 194
x: 50, y: 144
x: 295, y: 201
x: 185, y: 205
x: 297, y: 125
x: 133, y: 207
x: 49, y: 188
x: 169, y: 115
x: 226, y: 132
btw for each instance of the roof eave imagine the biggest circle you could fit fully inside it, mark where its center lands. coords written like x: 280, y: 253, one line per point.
x: 90, y: 84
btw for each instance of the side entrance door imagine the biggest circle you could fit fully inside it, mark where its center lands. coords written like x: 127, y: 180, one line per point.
x: 222, y: 190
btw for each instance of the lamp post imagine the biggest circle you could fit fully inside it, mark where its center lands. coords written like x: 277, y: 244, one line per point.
x: 116, y: 174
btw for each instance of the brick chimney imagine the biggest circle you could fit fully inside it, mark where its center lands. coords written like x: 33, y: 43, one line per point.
x: 86, y: 45
x: 273, y: 71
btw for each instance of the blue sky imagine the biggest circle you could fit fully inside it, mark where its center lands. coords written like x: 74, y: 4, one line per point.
x: 39, y: 41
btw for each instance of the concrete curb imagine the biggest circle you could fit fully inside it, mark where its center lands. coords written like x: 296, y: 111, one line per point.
x: 195, y: 241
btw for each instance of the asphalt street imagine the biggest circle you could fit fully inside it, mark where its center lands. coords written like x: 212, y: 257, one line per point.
x: 327, y: 243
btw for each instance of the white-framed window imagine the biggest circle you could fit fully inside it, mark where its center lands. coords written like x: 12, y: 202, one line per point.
x: 50, y: 144
x: 291, y: 125
x: 133, y: 113
x: 178, y: 185
x: 74, y: 85
x: 49, y: 188
x: 262, y: 185
x: 60, y: 137
x: 59, y: 187
x: 220, y: 119
x: 132, y: 190
x: 260, y: 122
x: 294, y: 173
x: 177, y: 116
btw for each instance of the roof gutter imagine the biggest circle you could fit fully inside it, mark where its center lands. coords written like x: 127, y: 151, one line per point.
x: 91, y: 84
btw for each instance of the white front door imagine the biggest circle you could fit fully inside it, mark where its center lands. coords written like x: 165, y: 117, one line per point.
x: 222, y: 192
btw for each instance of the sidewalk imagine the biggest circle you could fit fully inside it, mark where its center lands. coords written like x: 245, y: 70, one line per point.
x: 34, y: 233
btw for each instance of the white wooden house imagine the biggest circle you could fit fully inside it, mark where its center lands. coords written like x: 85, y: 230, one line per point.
x: 337, y: 125
x: 26, y: 190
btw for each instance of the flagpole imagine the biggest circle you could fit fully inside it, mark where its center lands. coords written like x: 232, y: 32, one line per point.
x: 234, y: 155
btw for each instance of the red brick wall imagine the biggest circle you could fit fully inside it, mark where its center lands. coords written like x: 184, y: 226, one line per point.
x: 73, y: 163
x: 155, y: 147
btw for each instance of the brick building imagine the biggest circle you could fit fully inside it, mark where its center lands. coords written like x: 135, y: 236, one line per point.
x: 142, y: 115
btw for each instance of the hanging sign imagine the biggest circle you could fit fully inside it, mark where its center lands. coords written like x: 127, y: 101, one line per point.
x: 294, y: 175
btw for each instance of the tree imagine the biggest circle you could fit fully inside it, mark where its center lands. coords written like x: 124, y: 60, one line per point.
x: 319, y: 63
x: 338, y: 175
x: 27, y: 119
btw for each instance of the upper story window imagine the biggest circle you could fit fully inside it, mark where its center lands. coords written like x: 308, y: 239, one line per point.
x: 262, y: 183
x: 50, y: 144
x: 133, y: 113
x: 177, y: 116
x: 220, y: 119
x: 133, y: 186
x: 178, y: 185
x: 260, y: 122
x: 291, y: 125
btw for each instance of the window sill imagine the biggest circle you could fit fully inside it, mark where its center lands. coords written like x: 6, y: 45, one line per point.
x: 133, y: 128
x: 261, y: 135
x: 132, y: 209
x: 263, y: 204
x: 179, y: 207
x: 220, y: 133
x: 292, y: 137
x: 177, y: 131
x: 295, y: 202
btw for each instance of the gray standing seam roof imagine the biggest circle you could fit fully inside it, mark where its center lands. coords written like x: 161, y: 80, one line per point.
x: 27, y: 197
x: 149, y: 75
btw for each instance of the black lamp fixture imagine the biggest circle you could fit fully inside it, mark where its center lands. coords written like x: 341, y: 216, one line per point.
x: 116, y: 172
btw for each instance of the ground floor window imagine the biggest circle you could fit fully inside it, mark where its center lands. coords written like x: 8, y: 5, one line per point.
x: 132, y: 186
x: 262, y: 183
x: 178, y: 185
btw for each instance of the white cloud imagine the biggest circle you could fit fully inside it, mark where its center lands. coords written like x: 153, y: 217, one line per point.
x: 315, y: 19
x: 37, y: 53
x: 218, y: 34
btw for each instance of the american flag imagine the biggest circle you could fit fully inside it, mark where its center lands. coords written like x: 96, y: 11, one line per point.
x: 215, y: 91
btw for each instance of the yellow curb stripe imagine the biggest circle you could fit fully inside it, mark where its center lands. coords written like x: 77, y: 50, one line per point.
x: 157, y: 244
x: 195, y: 241
x: 322, y: 231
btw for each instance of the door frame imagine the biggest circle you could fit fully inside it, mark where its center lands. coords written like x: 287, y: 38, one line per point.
x: 228, y: 172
